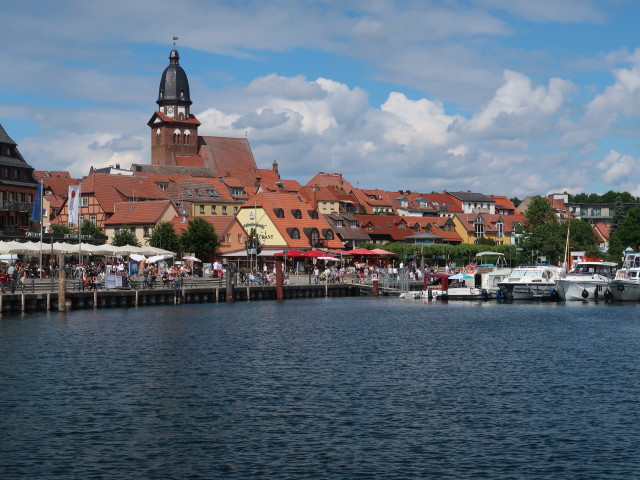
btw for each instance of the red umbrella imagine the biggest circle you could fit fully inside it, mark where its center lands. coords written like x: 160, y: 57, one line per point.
x: 380, y: 251
x: 361, y: 251
x: 291, y: 253
x: 314, y: 254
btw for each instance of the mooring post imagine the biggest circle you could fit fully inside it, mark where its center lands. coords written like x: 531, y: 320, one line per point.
x: 62, y: 285
x: 229, y: 275
x: 279, y: 280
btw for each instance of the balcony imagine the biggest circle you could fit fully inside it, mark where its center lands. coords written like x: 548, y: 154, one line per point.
x: 16, y: 206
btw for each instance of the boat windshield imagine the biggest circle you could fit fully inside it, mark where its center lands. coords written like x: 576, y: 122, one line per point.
x: 607, y: 270
x: 521, y: 272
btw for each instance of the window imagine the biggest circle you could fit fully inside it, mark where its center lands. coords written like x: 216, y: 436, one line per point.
x: 202, y: 209
x: 213, y: 209
x: 84, y: 201
x: 339, y: 223
x: 354, y: 224
x: 328, y: 235
x: 116, y: 230
x: 163, y: 185
x: 146, y: 231
x: 188, y: 192
x: 224, y: 209
x: 479, y: 229
x: 296, y: 213
x: 313, y: 214
x: 228, y: 238
x: 499, y: 229
x: 16, y: 174
x: 235, y: 210
x: 132, y: 230
x: 295, y: 234
x: 239, y: 238
x: 212, y: 193
x: 93, y: 219
x: 197, y: 190
x: 315, y: 237
x: 279, y: 212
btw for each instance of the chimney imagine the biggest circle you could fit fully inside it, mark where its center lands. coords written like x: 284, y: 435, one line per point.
x: 313, y: 196
x: 275, y: 168
x: 117, y: 166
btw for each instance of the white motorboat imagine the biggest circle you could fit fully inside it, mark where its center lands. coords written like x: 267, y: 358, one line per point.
x: 531, y: 282
x: 589, y: 280
x: 626, y: 285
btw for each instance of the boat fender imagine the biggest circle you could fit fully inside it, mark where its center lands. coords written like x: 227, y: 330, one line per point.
x: 585, y: 294
x: 471, y: 269
x: 621, y: 287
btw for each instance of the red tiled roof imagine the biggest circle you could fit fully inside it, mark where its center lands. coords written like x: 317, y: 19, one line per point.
x: 453, y: 204
x: 191, y: 120
x: 190, y: 161
x: 503, y: 201
x: 434, y: 225
x: 288, y: 202
x: 330, y: 180
x: 388, y: 225
x: 230, y: 157
x: 137, y: 213
x: 112, y: 189
x: 602, y: 231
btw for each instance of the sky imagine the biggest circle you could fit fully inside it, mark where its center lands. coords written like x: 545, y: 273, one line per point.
x: 504, y: 97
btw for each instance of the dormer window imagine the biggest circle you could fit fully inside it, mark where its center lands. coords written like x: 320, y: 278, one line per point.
x: 313, y: 214
x: 296, y: 213
x: 188, y: 192
x: 279, y: 212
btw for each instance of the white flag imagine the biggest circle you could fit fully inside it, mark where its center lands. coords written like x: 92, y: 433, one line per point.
x: 73, y: 203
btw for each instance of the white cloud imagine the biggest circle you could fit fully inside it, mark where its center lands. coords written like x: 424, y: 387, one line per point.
x: 620, y: 170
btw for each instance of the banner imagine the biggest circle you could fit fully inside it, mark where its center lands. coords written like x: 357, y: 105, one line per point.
x: 73, y: 203
x: 36, y: 214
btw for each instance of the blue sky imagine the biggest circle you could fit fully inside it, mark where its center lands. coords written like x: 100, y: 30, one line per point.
x: 507, y: 97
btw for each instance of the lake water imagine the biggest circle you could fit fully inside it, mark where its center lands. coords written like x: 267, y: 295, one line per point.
x: 349, y: 388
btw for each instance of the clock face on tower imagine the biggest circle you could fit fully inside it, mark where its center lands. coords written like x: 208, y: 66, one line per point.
x: 170, y: 110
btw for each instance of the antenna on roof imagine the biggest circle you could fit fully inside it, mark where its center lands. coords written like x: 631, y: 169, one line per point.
x: 174, y: 39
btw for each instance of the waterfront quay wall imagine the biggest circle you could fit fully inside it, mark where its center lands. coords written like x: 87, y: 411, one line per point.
x: 45, y: 301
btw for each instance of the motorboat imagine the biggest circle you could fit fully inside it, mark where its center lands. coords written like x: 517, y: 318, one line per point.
x: 487, y: 275
x: 531, y: 282
x: 589, y: 280
x: 626, y: 285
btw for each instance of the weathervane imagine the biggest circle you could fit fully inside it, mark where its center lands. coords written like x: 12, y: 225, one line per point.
x: 174, y: 39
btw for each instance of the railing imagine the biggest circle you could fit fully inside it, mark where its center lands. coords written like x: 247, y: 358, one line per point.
x: 16, y: 206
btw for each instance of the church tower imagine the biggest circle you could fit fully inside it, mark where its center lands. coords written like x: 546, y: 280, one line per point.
x: 174, y: 130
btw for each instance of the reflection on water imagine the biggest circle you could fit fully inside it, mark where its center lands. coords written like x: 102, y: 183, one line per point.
x: 323, y: 388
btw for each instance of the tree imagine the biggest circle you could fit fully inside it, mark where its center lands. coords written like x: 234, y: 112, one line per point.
x: 90, y: 228
x: 59, y: 229
x: 516, y: 201
x: 200, y: 238
x: 124, y: 237
x: 628, y: 234
x: 542, y: 231
x: 581, y: 237
x: 164, y: 236
x: 619, y: 213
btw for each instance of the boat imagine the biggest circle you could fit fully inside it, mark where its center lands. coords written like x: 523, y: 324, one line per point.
x: 531, y: 282
x: 626, y: 285
x: 589, y: 280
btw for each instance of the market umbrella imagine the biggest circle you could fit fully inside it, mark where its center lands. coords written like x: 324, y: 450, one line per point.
x: 380, y: 251
x: 290, y: 253
x: 192, y: 258
x: 329, y: 259
x: 137, y: 257
x: 361, y: 251
x: 156, y: 258
x: 314, y: 254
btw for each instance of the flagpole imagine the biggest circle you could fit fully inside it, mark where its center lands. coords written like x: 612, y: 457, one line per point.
x: 40, y: 193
